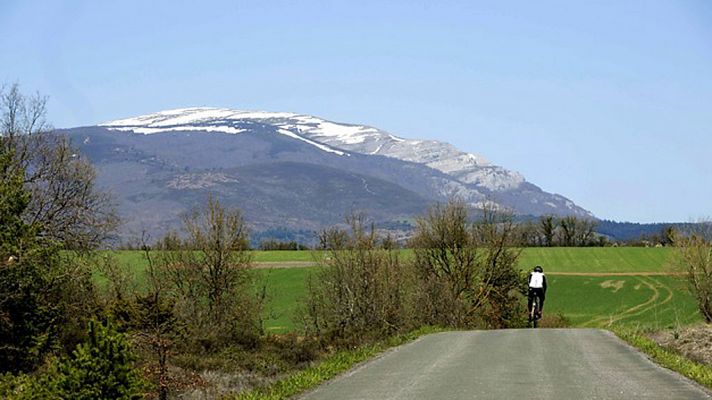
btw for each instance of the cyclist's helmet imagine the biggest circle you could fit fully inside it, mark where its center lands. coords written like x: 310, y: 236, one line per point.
x: 538, y: 268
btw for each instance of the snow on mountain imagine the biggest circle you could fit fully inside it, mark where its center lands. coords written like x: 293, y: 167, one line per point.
x: 332, y: 137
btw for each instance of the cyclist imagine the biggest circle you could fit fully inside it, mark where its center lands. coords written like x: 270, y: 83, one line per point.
x: 537, y: 288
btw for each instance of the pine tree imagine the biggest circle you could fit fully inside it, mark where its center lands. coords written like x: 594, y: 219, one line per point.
x: 28, y: 313
x: 14, y: 233
x: 100, y: 368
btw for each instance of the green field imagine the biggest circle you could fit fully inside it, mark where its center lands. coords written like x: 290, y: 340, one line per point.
x: 587, y: 301
x: 646, y: 301
x: 592, y: 301
x: 285, y: 289
x: 598, y: 259
x: 554, y: 259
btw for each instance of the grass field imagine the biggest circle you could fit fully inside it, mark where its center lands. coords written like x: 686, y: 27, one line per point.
x: 590, y: 301
x: 285, y: 289
x: 598, y: 259
x: 554, y: 259
x: 645, y: 301
x: 587, y: 301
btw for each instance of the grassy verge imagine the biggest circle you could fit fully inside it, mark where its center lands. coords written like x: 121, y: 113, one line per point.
x: 669, y: 359
x: 330, y: 367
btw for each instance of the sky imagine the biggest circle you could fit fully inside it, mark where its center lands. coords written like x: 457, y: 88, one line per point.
x: 608, y: 103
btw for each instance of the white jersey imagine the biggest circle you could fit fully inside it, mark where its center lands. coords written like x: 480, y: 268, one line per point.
x: 536, y: 280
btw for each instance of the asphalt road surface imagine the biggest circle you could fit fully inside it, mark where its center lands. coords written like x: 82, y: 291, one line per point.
x: 578, y: 364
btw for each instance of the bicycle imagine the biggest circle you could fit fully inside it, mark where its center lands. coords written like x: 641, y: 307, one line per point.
x: 535, y: 315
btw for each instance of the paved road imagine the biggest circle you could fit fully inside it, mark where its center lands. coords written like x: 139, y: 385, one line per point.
x: 576, y: 364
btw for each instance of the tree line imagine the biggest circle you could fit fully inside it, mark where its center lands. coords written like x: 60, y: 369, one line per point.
x: 568, y: 231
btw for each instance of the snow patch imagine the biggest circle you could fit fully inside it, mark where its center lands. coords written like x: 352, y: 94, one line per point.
x: 186, y: 128
x: 193, y: 115
x: 319, y: 145
x: 378, y: 149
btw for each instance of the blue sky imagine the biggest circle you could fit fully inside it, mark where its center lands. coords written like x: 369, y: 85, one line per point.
x: 608, y: 102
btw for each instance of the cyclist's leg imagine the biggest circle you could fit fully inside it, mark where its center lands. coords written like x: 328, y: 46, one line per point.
x: 540, y: 295
x: 530, y: 300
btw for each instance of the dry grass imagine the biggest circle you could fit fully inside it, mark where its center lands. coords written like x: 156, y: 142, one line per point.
x: 694, y: 342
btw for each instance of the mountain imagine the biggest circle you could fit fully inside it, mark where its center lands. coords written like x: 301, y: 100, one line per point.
x: 288, y: 170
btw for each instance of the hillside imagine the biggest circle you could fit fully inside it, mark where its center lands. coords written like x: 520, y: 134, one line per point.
x: 290, y: 171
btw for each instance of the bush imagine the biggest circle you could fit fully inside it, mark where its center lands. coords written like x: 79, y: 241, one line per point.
x: 557, y: 320
x: 466, y: 271
x: 694, y: 252
x: 101, y: 368
x: 27, y: 387
x: 208, y: 279
x: 362, y: 293
x: 98, y: 369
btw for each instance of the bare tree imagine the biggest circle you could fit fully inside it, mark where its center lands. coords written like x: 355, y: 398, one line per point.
x: 695, y: 259
x: 65, y: 201
x: 464, y: 267
x: 547, y: 226
x: 362, y: 292
x: 209, y: 275
x: 569, y: 228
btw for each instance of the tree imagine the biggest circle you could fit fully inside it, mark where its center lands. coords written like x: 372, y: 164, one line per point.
x: 695, y: 259
x: 547, y: 226
x: 502, y: 284
x: 64, y: 201
x: 208, y: 273
x: 44, y: 299
x: 100, y: 368
x: 465, y: 268
x: 577, y: 231
x: 568, y: 230
x: 15, y: 235
x: 29, y: 307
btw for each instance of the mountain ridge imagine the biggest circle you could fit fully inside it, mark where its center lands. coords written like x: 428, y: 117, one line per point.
x: 164, y: 161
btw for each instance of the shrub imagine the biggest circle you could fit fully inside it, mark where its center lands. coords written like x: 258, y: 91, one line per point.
x: 208, y: 278
x: 362, y: 292
x: 100, y: 368
x: 466, y: 271
x: 695, y: 259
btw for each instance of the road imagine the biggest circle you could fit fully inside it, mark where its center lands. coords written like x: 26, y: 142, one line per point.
x: 579, y: 364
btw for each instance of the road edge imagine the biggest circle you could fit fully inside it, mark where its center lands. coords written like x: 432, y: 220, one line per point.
x: 700, y: 375
x: 342, y: 363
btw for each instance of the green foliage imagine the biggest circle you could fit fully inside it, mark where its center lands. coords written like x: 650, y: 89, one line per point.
x: 101, y: 368
x: 28, y: 310
x: 28, y: 387
x: 15, y: 235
